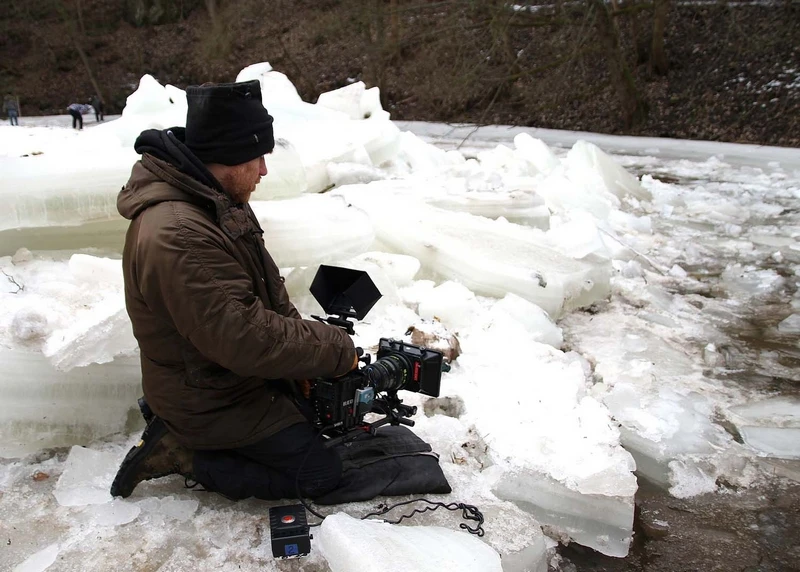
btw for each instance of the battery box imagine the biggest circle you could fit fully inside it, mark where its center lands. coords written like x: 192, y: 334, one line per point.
x: 289, y: 532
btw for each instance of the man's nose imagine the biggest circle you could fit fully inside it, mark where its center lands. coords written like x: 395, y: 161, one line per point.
x: 262, y: 167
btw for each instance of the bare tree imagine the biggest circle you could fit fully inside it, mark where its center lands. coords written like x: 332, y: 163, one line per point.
x: 658, y: 56
x: 634, y: 107
x: 219, y: 41
x: 380, y: 44
x: 77, y: 38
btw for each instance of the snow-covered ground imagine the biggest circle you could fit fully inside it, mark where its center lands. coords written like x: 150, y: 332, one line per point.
x: 625, y: 307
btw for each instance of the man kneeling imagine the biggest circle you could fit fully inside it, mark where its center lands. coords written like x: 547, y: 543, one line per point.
x: 223, y: 350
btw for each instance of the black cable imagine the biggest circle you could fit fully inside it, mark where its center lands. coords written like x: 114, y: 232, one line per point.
x: 469, y: 512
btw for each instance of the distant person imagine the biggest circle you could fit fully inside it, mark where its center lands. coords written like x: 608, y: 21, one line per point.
x: 97, y: 104
x: 11, y: 108
x: 76, y: 110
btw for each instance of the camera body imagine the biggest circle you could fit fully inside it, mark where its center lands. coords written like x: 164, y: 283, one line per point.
x: 340, y: 404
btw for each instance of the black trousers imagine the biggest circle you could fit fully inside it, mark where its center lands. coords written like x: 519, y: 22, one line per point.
x: 271, y: 468
x: 77, y: 118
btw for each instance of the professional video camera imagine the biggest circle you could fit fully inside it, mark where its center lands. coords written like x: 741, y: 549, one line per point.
x: 340, y: 404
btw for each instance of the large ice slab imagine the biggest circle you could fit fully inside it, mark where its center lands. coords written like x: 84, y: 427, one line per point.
x: 62, y: 189
x: 313, y: 229
x: 489, y: 257
x: 344, y: 541
x: 70, y: 364
x: 770, y: 426
x: 44, y: 407
x: 602, y: 522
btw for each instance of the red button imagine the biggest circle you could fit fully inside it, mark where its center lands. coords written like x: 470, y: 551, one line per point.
x: 288, y: 519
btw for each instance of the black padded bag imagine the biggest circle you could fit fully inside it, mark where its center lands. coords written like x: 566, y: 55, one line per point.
x: 393, y: 462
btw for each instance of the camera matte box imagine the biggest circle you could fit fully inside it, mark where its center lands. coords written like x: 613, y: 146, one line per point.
x: 288, y: 530
x: 344, y: 291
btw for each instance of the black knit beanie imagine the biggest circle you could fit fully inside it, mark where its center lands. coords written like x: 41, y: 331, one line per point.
x: 227, y: 123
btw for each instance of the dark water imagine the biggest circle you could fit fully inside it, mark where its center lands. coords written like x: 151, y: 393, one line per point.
x: 754, y: 530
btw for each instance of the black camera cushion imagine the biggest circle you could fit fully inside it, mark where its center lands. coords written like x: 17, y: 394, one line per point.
x: 393, y: 462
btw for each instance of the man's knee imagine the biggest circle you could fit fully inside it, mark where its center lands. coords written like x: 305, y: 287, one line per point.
x: 325, y: 477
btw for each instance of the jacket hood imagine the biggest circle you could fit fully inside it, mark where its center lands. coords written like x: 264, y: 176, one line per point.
x: 169, y: 171
x: 165, y: 159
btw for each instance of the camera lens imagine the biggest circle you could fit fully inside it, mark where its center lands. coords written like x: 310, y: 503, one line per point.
x: 388, y: 373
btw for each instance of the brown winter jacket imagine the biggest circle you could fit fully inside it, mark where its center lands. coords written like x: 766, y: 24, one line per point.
x: 213, y: 320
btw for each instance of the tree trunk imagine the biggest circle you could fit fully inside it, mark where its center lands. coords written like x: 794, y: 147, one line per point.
x: 211, y: 7
x: 394, y: 33
x: 85, y: 59
x: 379, y: 50
x: 218, y: 42
x: 77, y: 37
x: 634, y: 107
x: 79, y: 9
x: 658, y: 56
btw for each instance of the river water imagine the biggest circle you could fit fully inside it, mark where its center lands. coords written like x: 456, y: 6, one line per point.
x: 725, y: 224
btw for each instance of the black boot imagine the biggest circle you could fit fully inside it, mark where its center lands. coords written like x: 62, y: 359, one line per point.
x: 156, y: 455
x: 147, y: 413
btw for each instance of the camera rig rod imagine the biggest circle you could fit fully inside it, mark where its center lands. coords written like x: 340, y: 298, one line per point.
x: 395, y: 413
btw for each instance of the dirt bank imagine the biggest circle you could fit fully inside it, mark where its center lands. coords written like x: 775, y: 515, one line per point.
x: 734, y: 68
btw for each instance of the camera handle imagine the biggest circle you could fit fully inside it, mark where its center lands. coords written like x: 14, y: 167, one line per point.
x: 339, y: 320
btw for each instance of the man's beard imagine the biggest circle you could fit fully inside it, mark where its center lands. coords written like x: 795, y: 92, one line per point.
x: 239, y: 186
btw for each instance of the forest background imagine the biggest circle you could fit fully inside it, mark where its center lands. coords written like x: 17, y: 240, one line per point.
x: 711, y: 70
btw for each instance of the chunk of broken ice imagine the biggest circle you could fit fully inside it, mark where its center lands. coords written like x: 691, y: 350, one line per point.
x: 39, y: 561
x: 790, y: 325
x: 535, y: 320
x: 345, y: 542
x: 86, y: 478
x: 770, y: 426
x: 536, y: 152
x: 587, y: 163
x: 114, y: 513
x: 450, y: 303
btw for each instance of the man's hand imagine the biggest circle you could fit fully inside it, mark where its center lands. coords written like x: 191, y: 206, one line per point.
x: 305, y: 385
x: 355, y: 365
